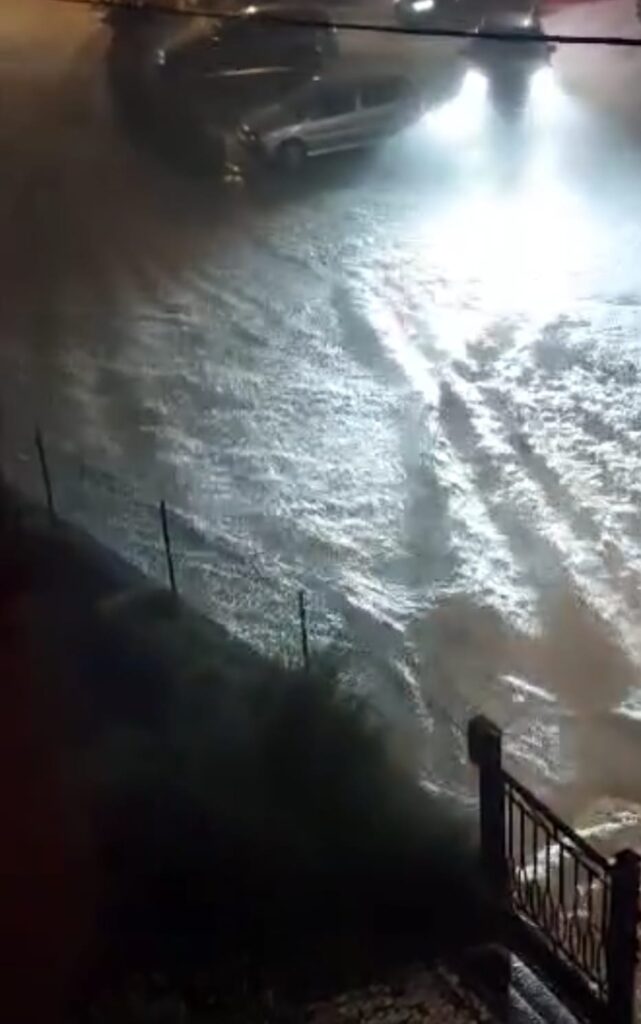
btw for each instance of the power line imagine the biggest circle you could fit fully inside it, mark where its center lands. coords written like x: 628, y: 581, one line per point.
x: 522, y: 38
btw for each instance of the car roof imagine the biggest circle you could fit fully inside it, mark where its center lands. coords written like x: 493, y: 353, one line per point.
x: 510, y: 21
x: 298, y: 11
x: 259, y: 71
x: 355, y: 78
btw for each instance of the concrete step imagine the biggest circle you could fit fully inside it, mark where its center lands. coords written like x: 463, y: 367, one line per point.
x: 518, y: 1010
x: 536, y: 994
x: 509, y: 989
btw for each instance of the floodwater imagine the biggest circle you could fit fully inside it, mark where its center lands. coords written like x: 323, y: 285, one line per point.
x: 407, y: 382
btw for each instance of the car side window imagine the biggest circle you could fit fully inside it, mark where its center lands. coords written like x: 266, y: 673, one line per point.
x: 332, y: 102
x: 303, y: 106
x: 377, y: 94
x: 200, y: 56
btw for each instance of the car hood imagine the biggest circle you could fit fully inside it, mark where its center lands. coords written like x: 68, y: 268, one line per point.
x: 269, y: 118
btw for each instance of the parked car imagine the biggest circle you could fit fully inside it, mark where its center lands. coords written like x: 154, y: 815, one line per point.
x: 334, y: 112
x: 269, y: 35
x: 510, y: 64
x: 232, y: 94
x: 527, y: 50
x: 121, y: 16
x: 418, y: 14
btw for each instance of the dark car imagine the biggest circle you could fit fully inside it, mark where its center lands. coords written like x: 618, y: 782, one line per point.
x: 510, y: 63
x: 233, y: 93
x: 524, y: 46
x: 275, y: 35
x: 120, y: 16
x: 445, y: 14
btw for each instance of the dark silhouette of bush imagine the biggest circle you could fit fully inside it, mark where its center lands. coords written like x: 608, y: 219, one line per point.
x: 268, y: 810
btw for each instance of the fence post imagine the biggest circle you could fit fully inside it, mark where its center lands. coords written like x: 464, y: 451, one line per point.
x: 621, y: 950
x: 46, y: 478
x: 167, y: 543
x: 484, y: 740
x: 302, y: 614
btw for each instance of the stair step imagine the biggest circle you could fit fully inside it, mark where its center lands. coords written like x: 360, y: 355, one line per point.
x: 524, y: 999
x: 541, y: 998
x: 519, y: 1011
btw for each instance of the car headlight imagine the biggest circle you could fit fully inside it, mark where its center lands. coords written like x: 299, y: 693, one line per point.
x: 460, y: 118
x: 542, y: 85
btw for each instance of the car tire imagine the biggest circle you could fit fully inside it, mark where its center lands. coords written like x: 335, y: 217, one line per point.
x: 292, y: 154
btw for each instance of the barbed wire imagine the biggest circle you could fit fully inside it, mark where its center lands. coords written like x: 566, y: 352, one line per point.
x: 433, y: 32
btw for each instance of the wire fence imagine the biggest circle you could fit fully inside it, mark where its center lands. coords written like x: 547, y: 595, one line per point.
x: 166, y: 544
x: 277, y: 605
x: 278, y: 611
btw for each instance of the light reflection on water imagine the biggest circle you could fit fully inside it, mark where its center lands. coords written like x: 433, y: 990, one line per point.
x: 504, y: 298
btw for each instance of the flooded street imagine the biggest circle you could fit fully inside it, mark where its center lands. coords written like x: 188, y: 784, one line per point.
x: 407, y: 381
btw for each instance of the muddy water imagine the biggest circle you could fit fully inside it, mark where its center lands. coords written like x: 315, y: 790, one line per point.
x: 408, y: 383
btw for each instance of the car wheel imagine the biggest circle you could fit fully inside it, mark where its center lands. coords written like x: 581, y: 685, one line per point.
x: 292, y: 154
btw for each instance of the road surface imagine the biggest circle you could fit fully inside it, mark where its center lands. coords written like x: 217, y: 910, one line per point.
x: 407, y: 382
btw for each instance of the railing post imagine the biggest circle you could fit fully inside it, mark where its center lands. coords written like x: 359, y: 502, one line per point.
x: 484, y: 745
x: 621, y: 950
x: 168, y: 552
x: 46, y: 476
x: 302, y: 616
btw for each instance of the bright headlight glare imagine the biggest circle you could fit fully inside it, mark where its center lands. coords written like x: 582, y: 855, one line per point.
x: 422, y: 6
x: 461, y: 118
x: 542, y: 86
x: 474, y: 85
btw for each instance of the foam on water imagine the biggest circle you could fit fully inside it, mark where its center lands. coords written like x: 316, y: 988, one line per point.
x: 413, y: 390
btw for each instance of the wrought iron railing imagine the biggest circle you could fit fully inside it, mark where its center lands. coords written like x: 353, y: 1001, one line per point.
x: 558, y: 883
x: 572, y: 910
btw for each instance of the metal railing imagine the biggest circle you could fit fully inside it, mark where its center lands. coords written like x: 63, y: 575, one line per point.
x: 558, y: 883
x: 565, y: 906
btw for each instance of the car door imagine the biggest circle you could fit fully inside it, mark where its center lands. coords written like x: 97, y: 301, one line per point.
x: 385, y: 107
x: 329, y: 123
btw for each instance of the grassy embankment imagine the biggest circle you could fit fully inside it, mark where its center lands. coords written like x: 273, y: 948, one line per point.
x: 196, y: 804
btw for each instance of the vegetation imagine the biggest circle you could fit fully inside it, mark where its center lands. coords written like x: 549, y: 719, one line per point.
x: 221, y: 809
x: 264, y: 808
